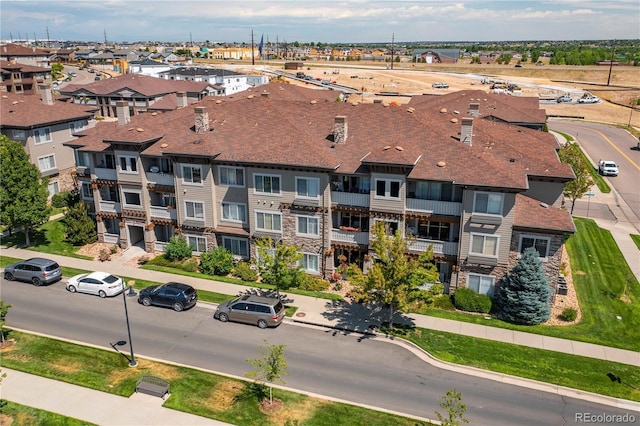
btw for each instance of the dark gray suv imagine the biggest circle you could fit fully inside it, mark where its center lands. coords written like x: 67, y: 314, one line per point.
x: 37, y: 270
x: 261, y: 311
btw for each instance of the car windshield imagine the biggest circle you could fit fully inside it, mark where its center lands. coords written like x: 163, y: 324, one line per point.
x: 278, y: 307
x: 110, y: 279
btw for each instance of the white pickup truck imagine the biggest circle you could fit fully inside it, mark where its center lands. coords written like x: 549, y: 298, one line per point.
x: 607, y: 168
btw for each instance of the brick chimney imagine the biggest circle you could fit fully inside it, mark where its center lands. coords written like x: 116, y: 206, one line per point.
x: 201, y: 120
x: 340, y: 129
x: 44, y: 89
x: 466, y: 133
x: 122, y: 111
x: 474, y: 110
x: 182, y: 99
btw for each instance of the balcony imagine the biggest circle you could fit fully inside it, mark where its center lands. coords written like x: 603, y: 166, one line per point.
x: 360, y: 238
x: 159, y: 212
x: 350, y: 199
x: 447, y: 208
x: 160, y: 246
x: 160, y: 179
x: 109, y: 207
x: 106, y: 174
x: 111, y: 238
x: 439, y: 247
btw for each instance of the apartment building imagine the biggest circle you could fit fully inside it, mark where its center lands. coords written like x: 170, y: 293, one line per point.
x: 295, y: 165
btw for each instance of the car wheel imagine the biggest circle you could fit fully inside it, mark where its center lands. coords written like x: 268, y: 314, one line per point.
x: 262, y: 324
x: 8, y: 276
x: 177, y: 306
x: 72, y: 288
x: 102, y: 294
x: 146, y: 301
x: 223, y: 317
x: 36, y: 281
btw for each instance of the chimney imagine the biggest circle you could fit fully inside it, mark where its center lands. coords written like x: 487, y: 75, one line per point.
x: 466, y: 133
x: 182, y: 99
x: 122, y: 112
x: 202, y: 120
x: 474, y: 110
x: 340, y: 129
x: 45, y: 93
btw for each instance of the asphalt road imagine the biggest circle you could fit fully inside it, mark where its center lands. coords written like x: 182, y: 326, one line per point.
x: 609, y: 143
x: 362, y: 370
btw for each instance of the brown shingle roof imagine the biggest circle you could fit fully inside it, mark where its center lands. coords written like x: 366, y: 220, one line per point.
x: 24, y: 111
x: 142, y: 84
x: 532, y: 214
x: 18, y: 50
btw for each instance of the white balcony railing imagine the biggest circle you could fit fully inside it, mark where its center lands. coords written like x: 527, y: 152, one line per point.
x: 163, y: 212
x: 110, y: 206
x: 164, y: 179
x: 106, y: 174
x: 361, y: 238
x: 439, y: 247
x: 111, y: 238
x: 350, y: 199
x: 160, y: 246
x: 448, y: 208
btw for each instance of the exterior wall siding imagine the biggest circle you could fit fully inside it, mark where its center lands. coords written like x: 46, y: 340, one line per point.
x: 546, y: 192
x: 386, y: 204
x: 198, y: 193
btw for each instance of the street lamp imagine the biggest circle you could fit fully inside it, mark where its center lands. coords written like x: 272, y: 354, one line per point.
x: 131, y: 359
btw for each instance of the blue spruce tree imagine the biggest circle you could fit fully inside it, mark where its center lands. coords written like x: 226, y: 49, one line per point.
x: 524, y: 292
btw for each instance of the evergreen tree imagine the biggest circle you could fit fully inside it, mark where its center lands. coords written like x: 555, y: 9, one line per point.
x: 524, y: 292
x: 80, y: 228
x: 23, y: 193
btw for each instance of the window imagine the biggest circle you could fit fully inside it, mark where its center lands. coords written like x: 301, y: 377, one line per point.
x: 53, y: 188
x: 128, y: 164
x: 192, y: 174
x: 48, y: 162
x: 231, y: 176
x: 268, y: 221
x: 309, y: 262
x: 307, y: 187
x: 307, y: 225
x: 488, y: 203
x: 234, y: 212
x: 132, y: 199
x: 87, y: 192
x: 198, y: 244
x: 42, y: 135
x: 386, y: 188
x: 194, y: 210
x: 76, y: 126
x: 485, y: 245
x: 19, y: 135
x: 267, y: 184
x: 237, y: 246
x: 482, y: 284
x: 541, y: 244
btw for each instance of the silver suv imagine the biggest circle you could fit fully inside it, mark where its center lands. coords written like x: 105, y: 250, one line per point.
x: 261, y: 311
x: 37, y: 270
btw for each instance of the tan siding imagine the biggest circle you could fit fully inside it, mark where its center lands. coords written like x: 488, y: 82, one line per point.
x: 193, y: 192
x: 129, y: 177
x: 382, y: 204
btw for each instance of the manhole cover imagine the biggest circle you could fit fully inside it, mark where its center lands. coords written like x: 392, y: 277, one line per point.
x: 300, y: 314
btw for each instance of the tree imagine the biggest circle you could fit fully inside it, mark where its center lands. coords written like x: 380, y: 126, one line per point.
x: 4, y: 309
x: 218, y: 261
x: 571, y: 154
x: 394, y: 276
x: 80, y: 228
x: 452, y: 402
x: 23, y: 193
x: 270, y: 367
x: 177, y: 249
x: 524, y: 292
x: 278, y: 263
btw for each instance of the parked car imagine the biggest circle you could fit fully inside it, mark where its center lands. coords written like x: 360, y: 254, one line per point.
x: 564, y: 98
x: 589, y: 99
x: 101, y: 283
x: 90, y: 70
x: 261, y: 311
x: 607, y: 168
x: 440, y: 85
x: 175, y: 295
x: 37, y: 270
x: 96, y: 78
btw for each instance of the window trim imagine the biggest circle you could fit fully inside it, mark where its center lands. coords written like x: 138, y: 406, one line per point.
x: 544, y: 258
x: 19, y: 135
x: 268, y: 194
x: 53, y: 167
x: 387, y: 189
x: 46, y: 130
x: 480, y: 234
x: 239, y: 240
x: 191, y: 166
x: 128, y: 171
x: 315, y: 179
x: 186, y: 210
x: 199, y: 237
x: 481, y: 276
x: 73, y: 129
x: 226, y: 219
x: 475, y: 197
x: 306, y: 217
x: 257, y: 212
x: 86, y: 194
x: 231, y: 184
x: 132, y: 191
x: 304, y: 266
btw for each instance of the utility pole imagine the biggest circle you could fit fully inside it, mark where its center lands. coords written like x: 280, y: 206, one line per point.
x: 105, y: 38
x: 253, y: 59
x: 611, y: 62
x: 48, y: 38
x: 393, y: 35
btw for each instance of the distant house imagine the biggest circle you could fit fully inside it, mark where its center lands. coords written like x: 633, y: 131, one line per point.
x: 21, y: 78
x: 25, y: 55
x: 230, y: 81
x: 148, y: 67
x: 437, y: 56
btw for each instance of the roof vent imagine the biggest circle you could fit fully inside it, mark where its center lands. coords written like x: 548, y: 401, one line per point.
x: 441, y: 164
x: 545, y: 205
x: 386, y: 148
x: 399, y: 148
x: 454, y: 120
x: 140, y: 129
x: 512, y: 160
x: 250, y: 97
x: 164, y: 145
x: 219, y: 101
x: 411, y: 110
x: 443, y: 110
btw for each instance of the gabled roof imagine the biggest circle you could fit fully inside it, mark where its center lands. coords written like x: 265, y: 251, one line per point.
x: 18, y: 50
x: 200, y: 72
x: 142, y: 84
x: 533, y: 215
x: 27, y: 111
x: 9, y: 66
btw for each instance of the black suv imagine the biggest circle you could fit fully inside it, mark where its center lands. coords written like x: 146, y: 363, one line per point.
x: 37, y: 270
x: 175, y: 295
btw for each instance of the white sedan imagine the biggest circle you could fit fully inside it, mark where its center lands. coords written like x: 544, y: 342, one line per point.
x: 101, y: 283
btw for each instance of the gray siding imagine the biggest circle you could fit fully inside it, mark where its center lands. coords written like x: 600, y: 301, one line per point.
x: 202, y: 192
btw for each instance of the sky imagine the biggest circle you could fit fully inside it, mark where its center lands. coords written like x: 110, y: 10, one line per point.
x: 327, y: 21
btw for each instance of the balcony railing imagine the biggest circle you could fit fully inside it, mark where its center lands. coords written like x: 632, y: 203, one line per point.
x: 439, y: 247
x: 106, y: 174
x: 160, y: 246
x: 163, y: 212
x: 350, y: 199
x: 110, y: 206
x: 448, y: 208
x: 111, y: 238
x: 361, y: 238
x: 163, y: 179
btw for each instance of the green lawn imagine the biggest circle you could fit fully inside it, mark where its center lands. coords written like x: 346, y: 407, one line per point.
x: 29, y: 416
x: 636, y: 239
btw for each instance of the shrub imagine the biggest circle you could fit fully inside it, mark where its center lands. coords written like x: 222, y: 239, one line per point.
x: 114, y: 249
x: 243, y: 271
x: 163, y: 261
x: 104, y: 255
x: 311, y: 283
x: 80, y: 228
x: 218, y: 261
x: 60, y: 200
x: 569, y: 315
x: 444, y: 302
x: 190, y: 265
x: 468, y: 300
x: 177, y: 249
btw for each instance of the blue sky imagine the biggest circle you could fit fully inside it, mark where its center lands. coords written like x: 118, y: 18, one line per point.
x: 325, y: 21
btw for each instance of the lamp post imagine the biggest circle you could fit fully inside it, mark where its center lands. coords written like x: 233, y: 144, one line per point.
x: 131, y: 359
